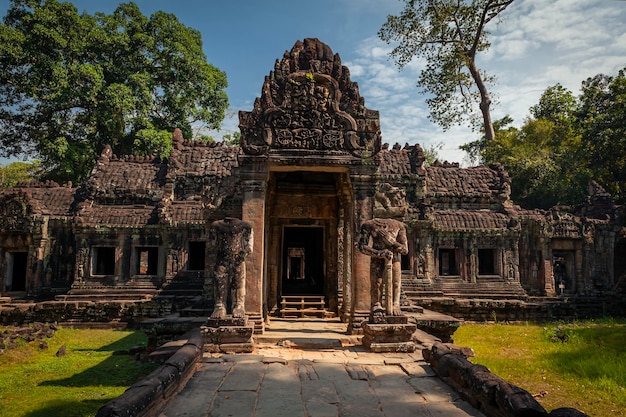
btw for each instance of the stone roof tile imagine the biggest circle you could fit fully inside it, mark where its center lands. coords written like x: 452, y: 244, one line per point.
x: 463, y: 182
x: 202, y: 159
x: 394, y: 162
x: 451, y: 220
x: 44, y: 199
x: 186, y: 212
x: 52, y: 201
x: 130, y: 179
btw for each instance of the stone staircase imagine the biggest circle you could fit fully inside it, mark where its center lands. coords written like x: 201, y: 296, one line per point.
x: 492, y: 288
x: 415, y: 289
x: 304, y: 306
x: 108, y: 294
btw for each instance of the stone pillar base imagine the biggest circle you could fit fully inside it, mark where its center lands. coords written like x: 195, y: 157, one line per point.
x: 393, y: 336
x: 354, y: 322
x: 227, y: 335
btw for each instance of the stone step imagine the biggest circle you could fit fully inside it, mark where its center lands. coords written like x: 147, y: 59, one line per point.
x: 304, y: 312
x: 104, y: 297
x: 425, y: 293
x: 487, y: 296
x: 112, y: 290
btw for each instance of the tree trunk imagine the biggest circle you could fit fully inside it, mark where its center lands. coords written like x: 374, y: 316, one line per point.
x: 485, y: 101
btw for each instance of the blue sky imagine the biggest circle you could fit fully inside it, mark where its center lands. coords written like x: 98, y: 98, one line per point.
x: 537, y: 44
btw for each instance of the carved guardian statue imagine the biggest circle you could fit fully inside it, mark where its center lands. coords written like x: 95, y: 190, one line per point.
x: 230, y: 241
x: 385, y: 241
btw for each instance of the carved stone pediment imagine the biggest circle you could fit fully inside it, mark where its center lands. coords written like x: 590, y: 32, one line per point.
x: 309, y: 103
x: 14, y: 215
x: 564, y: 225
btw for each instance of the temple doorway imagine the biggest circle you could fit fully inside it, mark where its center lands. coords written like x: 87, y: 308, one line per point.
x: 305, y: 231
x: 564, y: 269
x: 16, y: 271
x: 303, y: 261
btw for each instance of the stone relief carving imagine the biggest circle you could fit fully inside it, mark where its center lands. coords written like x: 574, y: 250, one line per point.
x: 82, y: 262
x: 309, y: 103
x: 384, y: 240
x: 389, y: 201
x: 230, y: 240
x: 13, y: 216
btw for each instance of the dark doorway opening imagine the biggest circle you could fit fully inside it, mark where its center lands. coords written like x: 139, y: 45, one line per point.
x: 147, y: 261
x: 486, y: 262
x: 447, y: 262
x: 16, y: 273
x: 103, y: 260
x: 564, y: 270
x: 303, y: 261
x: 197, y: 252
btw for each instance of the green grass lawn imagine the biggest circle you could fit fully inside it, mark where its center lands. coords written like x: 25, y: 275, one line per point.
x: 37, y: 383
x: 581, y: 365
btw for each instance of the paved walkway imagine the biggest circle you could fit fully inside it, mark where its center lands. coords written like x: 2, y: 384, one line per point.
x: 344, y: 380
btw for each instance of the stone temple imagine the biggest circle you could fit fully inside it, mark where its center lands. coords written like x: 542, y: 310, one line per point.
x: 131, y: 242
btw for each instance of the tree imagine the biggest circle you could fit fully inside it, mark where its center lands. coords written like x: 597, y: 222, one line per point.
x: 448, y: 34
x: 602, y: 118
x: 431, y: 152
x: 71, y: 83
x: 15, y: 172
x: 544, y: 157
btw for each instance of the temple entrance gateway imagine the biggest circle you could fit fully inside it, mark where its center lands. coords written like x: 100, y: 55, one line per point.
x: 303, y: 236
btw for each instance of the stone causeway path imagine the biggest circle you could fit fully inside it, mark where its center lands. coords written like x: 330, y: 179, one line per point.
x: 277, y: 381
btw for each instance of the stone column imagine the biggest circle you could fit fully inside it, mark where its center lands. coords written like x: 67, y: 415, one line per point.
x: 546, y: 272
x: 581, y: 282
x: 348, y: 246
x: 363, y: 191
x: 254, y: 185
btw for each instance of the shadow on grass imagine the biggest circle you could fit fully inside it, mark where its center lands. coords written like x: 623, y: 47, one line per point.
x: 118, y: 370
x: 595, y: 352
x: 61, y: 408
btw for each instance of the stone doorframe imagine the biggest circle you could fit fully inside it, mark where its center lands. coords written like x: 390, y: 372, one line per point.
x: 354, y: 205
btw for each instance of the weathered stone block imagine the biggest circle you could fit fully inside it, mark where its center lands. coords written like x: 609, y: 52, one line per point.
x: 388, y: 337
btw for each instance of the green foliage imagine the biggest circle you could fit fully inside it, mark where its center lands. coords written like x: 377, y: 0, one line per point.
x: 232, y: 139
x: 36, y: 382
x: 581, y: 365
x: 431, y: 152
x: 558, y: 334
x: 71, y: 83
x: 545, y: 157
x: 153, y: 142
x: 565, y: 143
x: 15, y: 172
x: 602, y: 117
x: 447, y: 34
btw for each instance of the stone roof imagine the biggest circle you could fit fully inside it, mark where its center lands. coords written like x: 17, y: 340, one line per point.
x: 44, y: 199
x: 199, y: 159
x: 186, y: 212
x: 51, y: 201
x: 452, y: 220
x: 453, y: 181
x: 394, y: 162
x: 130, y: 180
x: 202, y: 169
